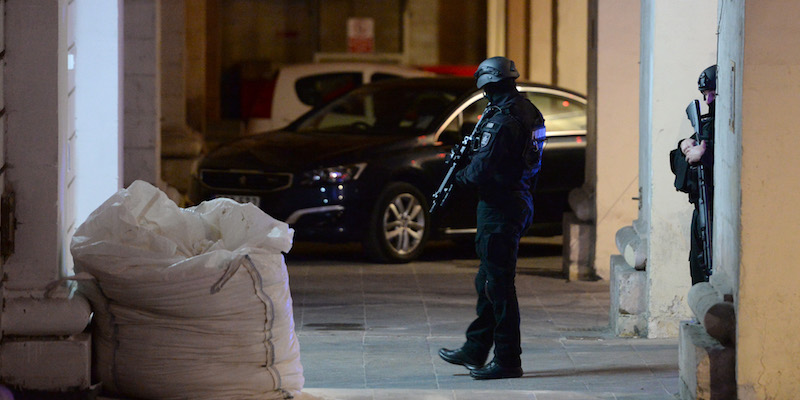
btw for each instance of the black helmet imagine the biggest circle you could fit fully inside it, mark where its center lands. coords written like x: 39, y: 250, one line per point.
x: 495, y: 69
x: 708, y: 79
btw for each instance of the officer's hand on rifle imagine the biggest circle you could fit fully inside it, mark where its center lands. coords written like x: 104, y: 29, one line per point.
x: 686, y: 144
x: 694, y: 153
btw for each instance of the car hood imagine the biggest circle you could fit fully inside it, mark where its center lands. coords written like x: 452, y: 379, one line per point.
x: 293, y: 151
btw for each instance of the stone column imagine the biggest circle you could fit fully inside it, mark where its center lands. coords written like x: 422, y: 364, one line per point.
x: 495, y: 28
x: 518, y: 35
x: 181, y: 146
x: 678, y: 41
x: 570, y: 51
x: 540, y: 68
x: 35, y: 83
x: 41, y: 344
x: 172, y: 64
x: 195, y: 78
x: 142, y: 92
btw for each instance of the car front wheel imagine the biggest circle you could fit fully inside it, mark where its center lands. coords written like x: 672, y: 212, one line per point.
x: 399, y: 224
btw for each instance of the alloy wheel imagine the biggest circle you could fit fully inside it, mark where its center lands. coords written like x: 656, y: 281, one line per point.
x: 404, y: 223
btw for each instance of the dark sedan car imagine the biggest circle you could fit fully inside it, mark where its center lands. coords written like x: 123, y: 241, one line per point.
x: 364, y: 167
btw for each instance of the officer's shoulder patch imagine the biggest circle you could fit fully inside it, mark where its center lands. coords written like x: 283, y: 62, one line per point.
x: 492, y: 127
x: 485, y: 138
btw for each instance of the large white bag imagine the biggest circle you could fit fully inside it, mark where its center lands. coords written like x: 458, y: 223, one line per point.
x: 189, y: 303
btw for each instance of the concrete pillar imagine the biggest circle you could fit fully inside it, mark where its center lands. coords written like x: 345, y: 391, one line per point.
x: 196, y: 58
x: 2, y: 120
x: 37, y: 133
x: 758, y: 82
x: 678, y: 41
x: 180, y: 145
x: 728, y: 184
x: 540, y: 67
x: 142, y: 91
x: 517, y: 35
x: 551, y: 48
x: 496, y: 28
x: 38, y: 92
x: 172, y: 64
x: 617, y: 138
x: 204, y: 67
x: 571, y: 51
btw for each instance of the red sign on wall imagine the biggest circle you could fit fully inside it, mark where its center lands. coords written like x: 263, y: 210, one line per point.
x: 360, y: 35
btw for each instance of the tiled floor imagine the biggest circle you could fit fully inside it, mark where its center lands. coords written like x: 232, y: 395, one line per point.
x: 404, y: 394
x: 370, y: 331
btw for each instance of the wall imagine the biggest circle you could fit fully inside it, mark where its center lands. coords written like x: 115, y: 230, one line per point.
x: 420, y: 40
x: 267, y: 30
x: 387, y: 16
x: 768, y: 298
x: 617, y: 124
x: 571, y: 47
x: 291, y: 31
x: 541, y: 42
x: 462, y: 41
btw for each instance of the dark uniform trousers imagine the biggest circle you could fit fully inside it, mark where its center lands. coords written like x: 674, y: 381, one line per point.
x: 696, y: 270
x: 501, y: 223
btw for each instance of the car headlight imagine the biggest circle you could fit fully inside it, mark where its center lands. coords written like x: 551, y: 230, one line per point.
x: 337, y: 174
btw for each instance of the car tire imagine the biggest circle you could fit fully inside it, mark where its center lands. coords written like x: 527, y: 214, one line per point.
x: 399, y: 224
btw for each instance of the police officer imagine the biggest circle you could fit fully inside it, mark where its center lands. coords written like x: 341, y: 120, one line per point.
x: 696, y: 151
x: 504, y: 165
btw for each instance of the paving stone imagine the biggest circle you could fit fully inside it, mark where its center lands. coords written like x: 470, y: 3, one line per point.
x: 370, y: 331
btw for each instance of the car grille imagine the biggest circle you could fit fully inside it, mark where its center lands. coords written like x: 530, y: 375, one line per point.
x: 245, y: 180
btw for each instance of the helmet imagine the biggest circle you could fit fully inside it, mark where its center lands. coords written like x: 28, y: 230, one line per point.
x: 708, y: 79
x: 495, y: 69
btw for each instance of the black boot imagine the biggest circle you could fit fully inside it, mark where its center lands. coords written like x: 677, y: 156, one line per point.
x: 496, y: 371
x: 460, y: 357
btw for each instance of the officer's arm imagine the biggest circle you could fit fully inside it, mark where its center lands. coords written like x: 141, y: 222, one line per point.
x: 483, y: 164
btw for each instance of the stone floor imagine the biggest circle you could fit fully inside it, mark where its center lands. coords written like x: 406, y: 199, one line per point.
x: 370, y: 331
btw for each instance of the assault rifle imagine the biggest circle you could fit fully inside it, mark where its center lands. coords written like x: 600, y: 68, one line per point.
x: 704, y: 214
x: 458, y: 159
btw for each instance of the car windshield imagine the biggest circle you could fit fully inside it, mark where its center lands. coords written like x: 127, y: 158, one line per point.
x: 382, y: 110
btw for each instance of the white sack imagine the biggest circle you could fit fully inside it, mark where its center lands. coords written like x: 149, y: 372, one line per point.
x: 189, y: 303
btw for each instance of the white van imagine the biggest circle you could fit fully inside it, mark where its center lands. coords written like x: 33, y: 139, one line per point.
x: 296, y: 89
